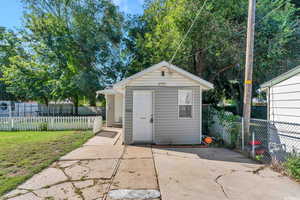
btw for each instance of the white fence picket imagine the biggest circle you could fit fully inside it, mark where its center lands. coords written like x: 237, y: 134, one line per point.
x: 46, y: 123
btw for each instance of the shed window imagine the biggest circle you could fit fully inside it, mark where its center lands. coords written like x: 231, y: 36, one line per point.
x: 185, y: 103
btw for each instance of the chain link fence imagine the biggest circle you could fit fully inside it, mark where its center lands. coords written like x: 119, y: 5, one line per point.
x: 267, y: 141
x: 272, y: 141
x: 30, y: 109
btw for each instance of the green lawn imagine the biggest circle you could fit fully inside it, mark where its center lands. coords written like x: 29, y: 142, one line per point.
x: 23, y: 154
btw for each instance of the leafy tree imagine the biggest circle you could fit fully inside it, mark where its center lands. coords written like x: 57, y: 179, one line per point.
x: 28, y: 80
x: 78, y: 39
x: 214, y: 48
x: 9, y: 46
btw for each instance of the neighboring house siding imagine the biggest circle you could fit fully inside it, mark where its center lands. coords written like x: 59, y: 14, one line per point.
x: 170, y: 79
x: 284, y: 100
x: 168, y: 128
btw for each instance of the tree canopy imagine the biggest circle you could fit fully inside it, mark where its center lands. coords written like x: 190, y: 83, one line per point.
x: 68, y: 49
x: 215, y: 47
x: 70, y: 42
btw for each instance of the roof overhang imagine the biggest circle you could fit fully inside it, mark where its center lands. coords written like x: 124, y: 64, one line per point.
x: 205, y: 84
x: 280, y: 78
x: 106, y: 92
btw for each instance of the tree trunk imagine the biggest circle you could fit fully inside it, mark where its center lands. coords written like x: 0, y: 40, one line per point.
x: 76, y: 102
x: 92, y: 100
x: 200, y: 66
x: 46, y: 101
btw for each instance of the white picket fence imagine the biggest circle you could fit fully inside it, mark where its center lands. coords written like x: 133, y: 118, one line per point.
x: 46, y: 123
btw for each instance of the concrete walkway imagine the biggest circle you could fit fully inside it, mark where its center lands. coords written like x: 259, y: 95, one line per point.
x: 104, y: 169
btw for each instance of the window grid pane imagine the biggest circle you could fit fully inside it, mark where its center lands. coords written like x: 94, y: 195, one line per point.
x: 185, y: 111
x: 185, y: 100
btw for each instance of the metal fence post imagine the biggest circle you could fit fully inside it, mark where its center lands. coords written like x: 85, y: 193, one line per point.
x: 11, y: 123
x: 243, y: 135
x: 253, y: 144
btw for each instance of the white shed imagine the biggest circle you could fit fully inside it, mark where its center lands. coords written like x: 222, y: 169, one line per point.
x: 161, y: 104
x: 283, y: 97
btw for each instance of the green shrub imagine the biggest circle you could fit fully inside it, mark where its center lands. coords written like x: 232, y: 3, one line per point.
x: 292, y: 167
x: 43, y: 126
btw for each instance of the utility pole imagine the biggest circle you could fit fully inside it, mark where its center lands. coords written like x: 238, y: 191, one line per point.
x: 249, y: 68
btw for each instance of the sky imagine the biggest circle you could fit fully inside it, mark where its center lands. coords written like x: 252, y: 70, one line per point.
x: 11, y: 11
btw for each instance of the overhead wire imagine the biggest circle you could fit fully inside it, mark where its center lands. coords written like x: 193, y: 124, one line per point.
x: 265, y: 16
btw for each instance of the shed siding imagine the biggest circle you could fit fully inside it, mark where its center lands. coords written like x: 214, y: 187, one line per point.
x: 168, y: 128
x: 284, y: 100
x: 110, y: 117
x: 118, y: 107
x: 170, y: 79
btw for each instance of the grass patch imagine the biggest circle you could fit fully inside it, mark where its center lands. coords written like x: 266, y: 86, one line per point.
x: 292, y: 167
x: 22, y: 154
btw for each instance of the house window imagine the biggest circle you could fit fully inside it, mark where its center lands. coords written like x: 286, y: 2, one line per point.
x: 185, y: 103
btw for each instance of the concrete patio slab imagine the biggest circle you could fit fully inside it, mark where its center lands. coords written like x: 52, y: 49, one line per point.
x: 28, y: 196
x: 95, y: 152
x: 95, y: 192
x: 135, y: 174
x: 45, y: 178
x: 239, y: 183
x: 216, y: 154
x: 181, y: 178
x: 219, y: 174
x: 138, y: 152
x: 64, y: 164
x: 60, y: 192
x: 83, y: 184
x: 14, y: 193
x: 98, y: 140
x: 92, y: 169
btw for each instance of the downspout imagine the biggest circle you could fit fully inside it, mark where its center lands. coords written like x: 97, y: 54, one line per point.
x: 106, y: 109
x: 123, y: 117
x: 268, y: 103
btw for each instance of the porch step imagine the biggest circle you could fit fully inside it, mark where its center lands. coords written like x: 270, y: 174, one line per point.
x: 117, y: 125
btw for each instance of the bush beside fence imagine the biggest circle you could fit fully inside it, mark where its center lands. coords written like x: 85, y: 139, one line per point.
x: 269, y: 141
x: 225, y: 126
x: 46, y: 123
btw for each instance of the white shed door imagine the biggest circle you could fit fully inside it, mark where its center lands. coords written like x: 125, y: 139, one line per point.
x: 142, y: 116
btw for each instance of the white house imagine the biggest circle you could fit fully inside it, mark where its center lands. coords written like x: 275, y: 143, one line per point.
x: 161, y: 104
x: 283, y: 97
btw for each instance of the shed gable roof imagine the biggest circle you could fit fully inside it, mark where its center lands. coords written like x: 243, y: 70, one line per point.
x: 281, y: 77
x: 188, y: 75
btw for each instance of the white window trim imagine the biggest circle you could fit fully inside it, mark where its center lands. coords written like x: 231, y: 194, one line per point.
x: 185, y: 118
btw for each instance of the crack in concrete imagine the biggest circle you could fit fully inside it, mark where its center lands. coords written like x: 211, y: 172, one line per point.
x: 255, y: 171
x: 69, y: 179
x: 114, y: 173
x: 155, y: 170
x: 221, y: 186
x: 178, y: 156
x: 89, y: 159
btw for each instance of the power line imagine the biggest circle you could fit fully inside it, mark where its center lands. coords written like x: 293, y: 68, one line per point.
x: 242, y: 31
x: 187, y: 32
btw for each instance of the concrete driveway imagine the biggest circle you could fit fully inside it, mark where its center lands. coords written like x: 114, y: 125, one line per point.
x: 105, y: 169
x: 217, y: 173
